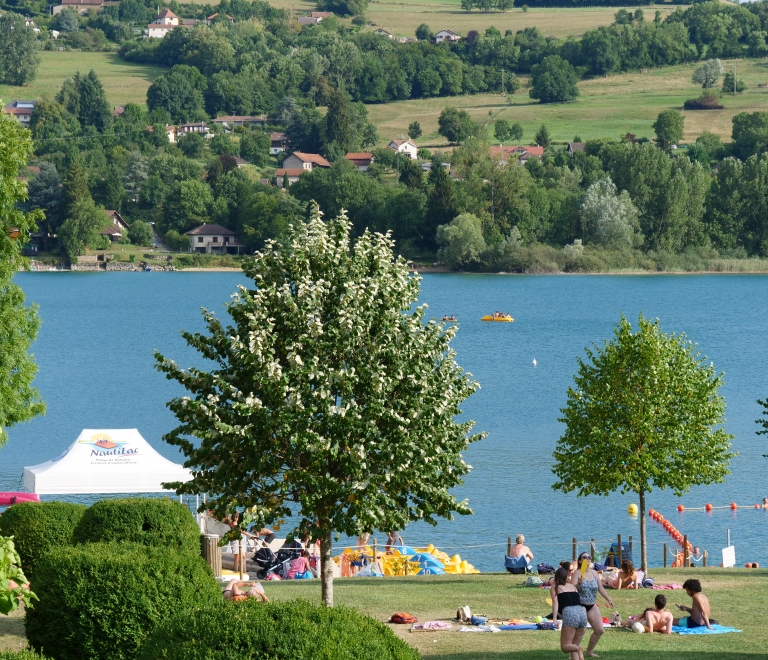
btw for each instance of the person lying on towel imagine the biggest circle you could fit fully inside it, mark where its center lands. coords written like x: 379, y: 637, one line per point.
x: 237, y: 591
x: 654, y: 619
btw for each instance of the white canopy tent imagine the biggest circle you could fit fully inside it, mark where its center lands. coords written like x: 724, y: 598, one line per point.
x: 105, y: 461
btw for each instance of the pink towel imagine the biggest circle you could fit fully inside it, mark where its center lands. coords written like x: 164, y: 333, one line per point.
x: 663, y: 587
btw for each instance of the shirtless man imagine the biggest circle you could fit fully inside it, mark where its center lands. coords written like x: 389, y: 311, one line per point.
x: 655, y: 619
x: 698, y: 614
x: 520, y: 549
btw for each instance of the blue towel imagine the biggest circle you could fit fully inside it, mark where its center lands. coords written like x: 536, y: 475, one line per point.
x: 716, y: 630
x: 520, y: 626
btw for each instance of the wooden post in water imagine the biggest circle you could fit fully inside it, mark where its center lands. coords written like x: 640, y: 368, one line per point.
x: 704, y: 559
x: 592, y: 549
x: 211, y: 552
x: 686, y: 556
x: 665, y: 555
x: 620, y: 558
x: 575, y: 545
x: 374, y: 551
x: 509, y: 546
x: 630, y: 546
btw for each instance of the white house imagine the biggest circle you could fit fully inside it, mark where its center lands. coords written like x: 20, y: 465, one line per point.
x: 166, y: 21
x: 82, y: 6
x: 383, y: 33
x: 22, y: 110
x: 446, y: 35
x: 196, y: 127
x: 406, y: 147
x: 278, y: 143
x: 213, y: 239
x: 229, y: 121
x: 293, y: 175
x: 301, y: 161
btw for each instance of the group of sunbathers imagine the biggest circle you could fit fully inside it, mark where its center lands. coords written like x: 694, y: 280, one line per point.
x: 574, y: 598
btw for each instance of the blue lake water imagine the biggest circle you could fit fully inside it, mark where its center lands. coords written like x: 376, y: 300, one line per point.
x: 96, y: 370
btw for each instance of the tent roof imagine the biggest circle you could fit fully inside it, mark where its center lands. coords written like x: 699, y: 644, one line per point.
x: 105, y: 461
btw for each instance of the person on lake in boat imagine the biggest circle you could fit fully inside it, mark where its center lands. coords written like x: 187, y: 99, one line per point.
x: 236, y: 591
x: 654, y: 619
x: 589, y: 585
x: 567, y: 605
x: 698, y: 613
x: 626, y: 578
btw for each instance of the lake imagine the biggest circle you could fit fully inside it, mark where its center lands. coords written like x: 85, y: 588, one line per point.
x: 99, y: 330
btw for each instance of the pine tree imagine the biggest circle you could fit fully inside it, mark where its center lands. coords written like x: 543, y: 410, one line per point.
x: 75, y: 187
x: 441, y: 203
x: 338, y: 120
x: 542, y: 136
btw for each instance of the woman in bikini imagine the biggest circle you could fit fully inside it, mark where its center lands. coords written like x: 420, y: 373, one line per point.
x: 589, y: 586
x: 235, y: 591
x: 626, y: 578
x: 566, y: 604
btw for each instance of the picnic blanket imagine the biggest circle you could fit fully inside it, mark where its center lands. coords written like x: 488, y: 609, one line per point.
x: 519, y: 626
x: 493, y: 629
x: 662, y: 587
x: 717, y: 629
x: 432, y: 625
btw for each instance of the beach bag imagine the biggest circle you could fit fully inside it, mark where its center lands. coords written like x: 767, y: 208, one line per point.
x: 463, y: 613
x: 546, y: 625
x: 648, y: 582
x: 479, y: 620
x: 545, y: 569
x: 402, y: 617
x: 534, y: 581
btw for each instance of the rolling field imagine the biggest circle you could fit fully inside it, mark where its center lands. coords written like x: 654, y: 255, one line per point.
x: 607, y: 107
x: 124, y: 82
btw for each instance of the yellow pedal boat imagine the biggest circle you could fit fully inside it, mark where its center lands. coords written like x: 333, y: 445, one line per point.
x: 498, y: 317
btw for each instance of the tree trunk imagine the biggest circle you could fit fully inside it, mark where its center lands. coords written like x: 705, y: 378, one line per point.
x: 643, y: 554
x: 326, y: 569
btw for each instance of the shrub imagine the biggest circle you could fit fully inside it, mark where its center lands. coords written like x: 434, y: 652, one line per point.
x: 704, y: 102
x: 149, y: 521
x: 37, y: 527
x: 103, y: 600
x: 24, y: 654
x: 283, y: 630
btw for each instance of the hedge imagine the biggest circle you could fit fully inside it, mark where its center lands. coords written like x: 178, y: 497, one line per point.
x: 149, y: 521
x: 37, y: 527
x: 277, y: 631
x: 101, y: 601
x: 24, y: 654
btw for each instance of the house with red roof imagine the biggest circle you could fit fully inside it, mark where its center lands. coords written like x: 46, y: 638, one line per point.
x: 521, y: 154
x: 22, y: 110
x: 361, y: 159
x: 301, y: 161
x: 407, y: 147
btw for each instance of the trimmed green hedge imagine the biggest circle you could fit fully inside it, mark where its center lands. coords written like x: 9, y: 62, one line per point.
x: 289, y: 630
x: 150, y: 521
x: 39, y: 527
x: 102, y: 601
x: 24, y: 654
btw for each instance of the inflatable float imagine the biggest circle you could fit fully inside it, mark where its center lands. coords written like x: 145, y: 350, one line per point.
x: 7, y: 499
x: 498, y: 317
x: 405, y: 561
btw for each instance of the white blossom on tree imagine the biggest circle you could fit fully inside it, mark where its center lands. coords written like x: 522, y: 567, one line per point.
x: 331, y: 402
x: 608, y: 219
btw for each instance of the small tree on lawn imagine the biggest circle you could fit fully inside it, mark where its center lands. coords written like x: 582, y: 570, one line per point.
x: 643, y: 414
x: 331, y: 400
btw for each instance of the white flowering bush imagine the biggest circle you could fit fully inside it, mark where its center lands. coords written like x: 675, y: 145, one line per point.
x: 332, y: 401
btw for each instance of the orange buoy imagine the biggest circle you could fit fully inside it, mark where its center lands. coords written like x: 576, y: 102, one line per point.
x: 680, y: 508
x: 651, y: 512
x: 734, y: 506
x: 757, y: 506
x: 708, y: 507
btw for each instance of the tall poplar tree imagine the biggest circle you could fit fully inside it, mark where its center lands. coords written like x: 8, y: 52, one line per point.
x: 645, y: 412
x: 19, y: 400
x: 331, y: 402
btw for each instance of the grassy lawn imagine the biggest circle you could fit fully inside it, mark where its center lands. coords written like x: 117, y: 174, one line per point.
x: 607, y: 107
x: 738, y: 598
x: 124, y: 82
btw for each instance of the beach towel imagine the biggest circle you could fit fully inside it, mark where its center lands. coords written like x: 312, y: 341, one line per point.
x: 479, y: 629
x: 432, y: 625
x: 662, y: 587
x: 717, y: 629
x: 519, y: 626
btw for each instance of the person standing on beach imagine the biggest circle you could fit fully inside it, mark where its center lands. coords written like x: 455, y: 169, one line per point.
x: 567, y: 604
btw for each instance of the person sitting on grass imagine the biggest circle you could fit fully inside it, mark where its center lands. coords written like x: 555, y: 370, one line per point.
x: 237, y: 591
x: 520, y: 549
x: 300, y: 568
x: 698, y: 613
x: 654, y: 619
x: 626, y: 578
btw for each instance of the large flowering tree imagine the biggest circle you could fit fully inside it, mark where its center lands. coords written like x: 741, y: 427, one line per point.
x: 331, y: 402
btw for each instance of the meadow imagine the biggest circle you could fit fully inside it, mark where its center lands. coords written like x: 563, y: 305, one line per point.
x: 124, y: 82
x: 606, y: 107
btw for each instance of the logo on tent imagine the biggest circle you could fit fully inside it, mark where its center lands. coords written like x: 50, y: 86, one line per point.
x: 105, y: 445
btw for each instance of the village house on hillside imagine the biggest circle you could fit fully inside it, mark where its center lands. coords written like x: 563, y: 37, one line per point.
x: 213, y: 239
x: 575, y: 146
x: 22, y: 110
x: 521, y: 154
x: 166, y: 21
x: 210, y: 19
x: 278, y: 143
x: 82, y: 6
x: 297, y: 164
x: 239, y: 120
x: 406, y: 147
x: 362, y: 159
x: 446, y: 35
x: 383, y: 33
x: 194, y: 127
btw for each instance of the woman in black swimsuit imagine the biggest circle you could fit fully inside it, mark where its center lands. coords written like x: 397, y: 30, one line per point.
x: 567, y: 604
